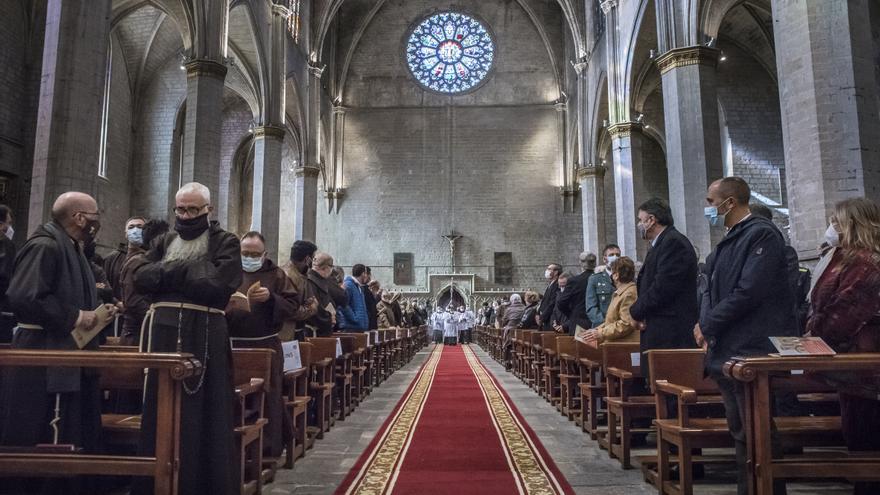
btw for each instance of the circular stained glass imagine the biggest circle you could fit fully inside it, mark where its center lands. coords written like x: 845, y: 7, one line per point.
x: 450, y: 52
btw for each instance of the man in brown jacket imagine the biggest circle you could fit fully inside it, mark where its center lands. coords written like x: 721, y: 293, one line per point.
x: 301, y: 255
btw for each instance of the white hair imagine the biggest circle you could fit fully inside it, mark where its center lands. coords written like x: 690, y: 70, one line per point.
x: 515, y: 298
x: 195, y: 187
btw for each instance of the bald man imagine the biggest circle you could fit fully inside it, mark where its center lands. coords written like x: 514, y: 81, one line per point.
x: 52, y: 290
x: 190, y: 275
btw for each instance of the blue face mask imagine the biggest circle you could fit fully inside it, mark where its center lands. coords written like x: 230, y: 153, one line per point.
x: 251, y: 265
x: 135, y: 235
x: 711, y: 213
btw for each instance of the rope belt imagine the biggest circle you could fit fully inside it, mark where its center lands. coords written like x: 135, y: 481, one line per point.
x: 253, y: 339
x: 28, y: 326
x: 148, y: 325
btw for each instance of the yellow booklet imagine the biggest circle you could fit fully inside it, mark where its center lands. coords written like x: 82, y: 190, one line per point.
x: 240, y: 300
x: 82, y: 336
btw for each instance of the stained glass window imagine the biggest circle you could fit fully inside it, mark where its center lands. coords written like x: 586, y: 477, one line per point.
x: 293, y: 15
x: 450, y: 52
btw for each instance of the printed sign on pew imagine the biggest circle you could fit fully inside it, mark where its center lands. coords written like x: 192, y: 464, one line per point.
x: 292, y: 358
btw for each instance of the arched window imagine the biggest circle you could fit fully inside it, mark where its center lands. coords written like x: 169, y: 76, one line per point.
x: 293, y: 17
x: 450, y: 52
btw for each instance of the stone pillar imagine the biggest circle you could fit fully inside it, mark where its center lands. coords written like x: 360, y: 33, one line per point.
x: 693, y: 138
x: 592, y: 207
x: 266, y: 210
x: 336, y: 170
x: 561, y: 142
x: 626, y: 145
x: 830, y: 125
x: 203, y: 125
x: 306, y: 203
x: 68, y: 130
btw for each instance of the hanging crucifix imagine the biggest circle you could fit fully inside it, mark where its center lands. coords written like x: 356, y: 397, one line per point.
x: 452, y: 237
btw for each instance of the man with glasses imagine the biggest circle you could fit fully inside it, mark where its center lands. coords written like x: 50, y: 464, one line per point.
x: 53, y: 291
x: 191, y: 274
x: 328, y: 294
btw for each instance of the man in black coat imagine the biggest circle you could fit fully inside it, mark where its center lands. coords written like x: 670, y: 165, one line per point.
x: 544, y: 317
x: 748, y: 300
x: 573, y: 301
x: 667, y: 285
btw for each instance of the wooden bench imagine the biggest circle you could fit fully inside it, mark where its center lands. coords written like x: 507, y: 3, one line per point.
x: 536, y: 373
x: 252, y: 376
x: 356, y: 345
x: 592, y: 387
x: 624, y: 404
x: 344, y: 376
x: 569, y: 376
x: 550, y: 372
x: 171, y: 370
x: 526, y: 356
x: 322, y: 382
x: 296, y: 404
x: 760, y: 376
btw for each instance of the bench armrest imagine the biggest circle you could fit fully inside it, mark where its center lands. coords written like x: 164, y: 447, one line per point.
x: 684, y: 394
x: 246, y: 389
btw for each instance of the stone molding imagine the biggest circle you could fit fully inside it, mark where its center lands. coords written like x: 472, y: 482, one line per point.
x: 607, y: 5
x: 624, y: 129
x: 691, y: 55
x: 306, y: 171
x: 590, y: 172
x: 210, y: 68
x: 269, y: 131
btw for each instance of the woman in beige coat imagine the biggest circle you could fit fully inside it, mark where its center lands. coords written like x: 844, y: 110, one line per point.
x: 619, y: 324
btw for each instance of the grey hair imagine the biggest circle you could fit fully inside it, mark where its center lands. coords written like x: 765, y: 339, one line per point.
x: 515, y: 298
x: 195, y: 187
x: 567, y: 275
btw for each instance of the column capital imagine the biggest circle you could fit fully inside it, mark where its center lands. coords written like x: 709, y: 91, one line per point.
x: 561, y: 106
x: 339, y: 109
x: 607, y: 5
x: 624, y: 129
x: 580, y: 65
x: 307, y: 171
x: 316, y: 70
x: 210, y: 68
x: 280, y: 8
x: 689, y: 55
x: 591, y: 171
x: 269, y: 131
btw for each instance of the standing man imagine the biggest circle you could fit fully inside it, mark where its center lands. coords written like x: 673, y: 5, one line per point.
x: 7, y: 265
x: 328, y: 295
x: 748, y: 300
x: 371, y: 300
x: 256, y: 326
x: 667, y: 285
x: 136, y: 303
x: 301, y: 255
x: 134, y: 245
x: 544, y: 318
x: 52, y: 291
x: 191, y: 275
x: 354, y: 316
x: 600, y: 288
x: 573, y: 302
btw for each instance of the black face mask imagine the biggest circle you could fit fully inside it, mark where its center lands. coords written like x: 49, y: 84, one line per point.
x: 190, y: 228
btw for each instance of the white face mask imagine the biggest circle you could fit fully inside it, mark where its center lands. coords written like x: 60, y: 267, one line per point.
x: 612, y: 258
x: 10, y: 232
x: 831, y: 236
x: 547, y: 274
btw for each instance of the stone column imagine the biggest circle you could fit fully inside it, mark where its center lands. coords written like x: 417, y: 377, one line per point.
x: 693, y: 138
x: 266, y: 210
x: 203, y: 125
x: 830, y: 125
x: 626, y: 145
x: 592, y: 207
x: 68, y: 131
x: 306, y: 203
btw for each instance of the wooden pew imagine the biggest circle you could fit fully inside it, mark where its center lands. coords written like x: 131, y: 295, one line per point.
x: 296, y: 403
x: 592, y: 387
x: 569, y: 376
x: 356, y: 345
x: 760, y: 376
x: 536, y: 376
x: 550, y: 389
x: 344, y: 377
x: 252, y: 370
x: 322, y: 382
x: 171, y: 368
x: 527, y: 358
x: 623, y: 406
x: 516, y: 353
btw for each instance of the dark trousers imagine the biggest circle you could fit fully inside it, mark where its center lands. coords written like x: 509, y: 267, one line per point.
x: 860, y: 422
x: 734, y: 397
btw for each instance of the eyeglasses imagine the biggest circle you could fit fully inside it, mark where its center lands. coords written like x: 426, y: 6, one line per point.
x: 96, y: 213
x: 192, y: 210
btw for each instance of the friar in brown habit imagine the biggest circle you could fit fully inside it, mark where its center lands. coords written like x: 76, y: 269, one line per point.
x: 190, y: 276
x: 255, y: 325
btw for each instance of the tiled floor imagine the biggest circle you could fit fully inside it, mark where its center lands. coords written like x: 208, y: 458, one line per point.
x: 587, y: 468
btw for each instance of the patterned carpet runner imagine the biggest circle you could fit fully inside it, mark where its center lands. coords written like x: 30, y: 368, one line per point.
x: 455, y: 431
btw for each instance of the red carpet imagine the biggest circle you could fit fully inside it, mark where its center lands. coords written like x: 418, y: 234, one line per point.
x: 455, y: 431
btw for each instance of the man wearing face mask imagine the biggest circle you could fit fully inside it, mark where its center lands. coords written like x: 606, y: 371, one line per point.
x: 667, y: 284
x: 191, y: 274
x: 600, y: 288
x: 747, y: 301
x: 544, y: 318
x: 572, y: 302
x: 7, y: 265
x: 134, y: 236
x: 52, y: 291
x: 301, y: 255
x: 270, y: 303
x: 328, y: 294
x: 137, y: 303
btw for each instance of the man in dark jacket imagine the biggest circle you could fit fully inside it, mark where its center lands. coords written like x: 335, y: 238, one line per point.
x: 7, y: 265
x: 371, y: 301
x: 548, y: 303
x: 328, y: 294
x: 747, y: 301
x: 667, y: 284
x: 573, y: 301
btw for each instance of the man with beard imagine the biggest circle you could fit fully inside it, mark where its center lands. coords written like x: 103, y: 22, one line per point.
x: 52, y: 291
x: 191, y: 274
x: 301, y: 255
x: 256, y: 326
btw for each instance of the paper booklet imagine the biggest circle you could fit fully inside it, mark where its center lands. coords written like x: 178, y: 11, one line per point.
x: 802, y: 346
x: 240, y: 301
x: 82, y: 336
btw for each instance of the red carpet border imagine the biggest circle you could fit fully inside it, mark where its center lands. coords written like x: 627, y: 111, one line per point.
x: 455, y: 431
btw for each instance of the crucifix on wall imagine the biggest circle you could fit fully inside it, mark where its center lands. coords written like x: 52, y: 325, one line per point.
x: 451, y: 238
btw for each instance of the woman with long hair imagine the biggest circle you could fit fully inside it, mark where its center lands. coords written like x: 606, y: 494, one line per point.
x: 845, y: 312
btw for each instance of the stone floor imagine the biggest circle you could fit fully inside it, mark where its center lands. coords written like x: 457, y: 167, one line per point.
x: 587, y: 468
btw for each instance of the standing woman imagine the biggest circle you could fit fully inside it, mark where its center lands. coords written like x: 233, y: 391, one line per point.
x: 845, y: 312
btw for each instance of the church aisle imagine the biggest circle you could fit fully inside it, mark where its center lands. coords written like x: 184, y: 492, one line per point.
x: 455, y: 432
